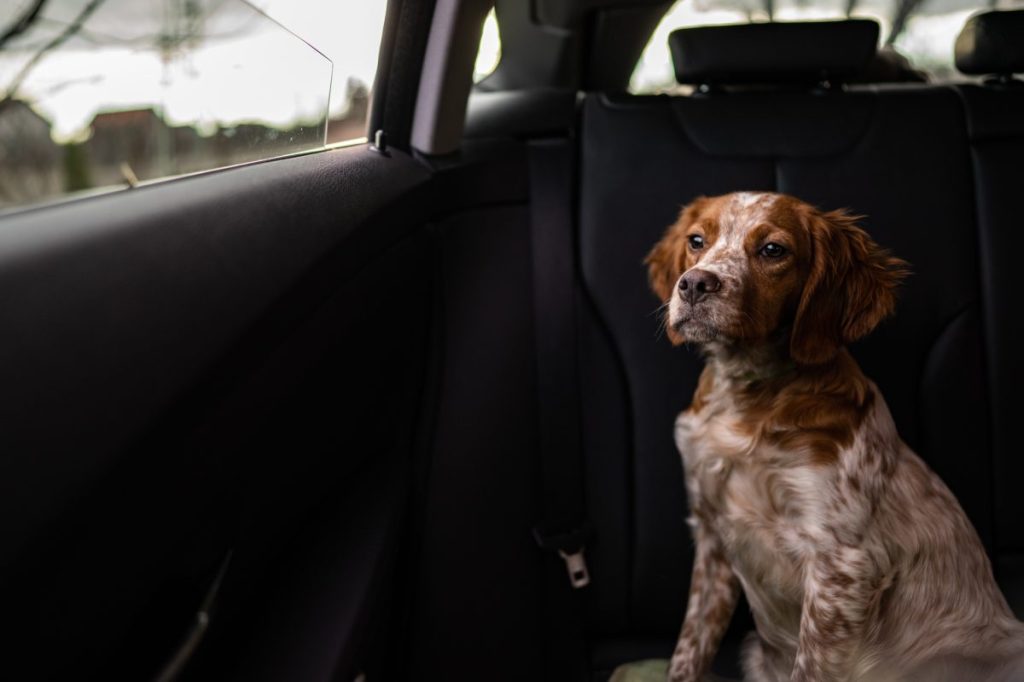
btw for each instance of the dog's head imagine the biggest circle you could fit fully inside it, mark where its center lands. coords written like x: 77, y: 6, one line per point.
x: 744, y: 267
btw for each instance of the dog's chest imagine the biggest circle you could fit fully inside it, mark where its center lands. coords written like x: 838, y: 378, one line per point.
x: 755, y: 499
x: 734, y: 474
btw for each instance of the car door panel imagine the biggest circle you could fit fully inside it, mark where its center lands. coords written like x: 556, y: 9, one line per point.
x: 195, y: 369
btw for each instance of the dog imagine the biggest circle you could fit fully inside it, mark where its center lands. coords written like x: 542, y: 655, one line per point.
x: 857, y: 561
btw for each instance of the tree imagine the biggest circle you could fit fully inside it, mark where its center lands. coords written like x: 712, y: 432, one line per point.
x: 71, y: 29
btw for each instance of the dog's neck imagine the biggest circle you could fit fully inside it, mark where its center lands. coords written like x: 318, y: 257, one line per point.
x: 769, y: 362
x: 749, y: 362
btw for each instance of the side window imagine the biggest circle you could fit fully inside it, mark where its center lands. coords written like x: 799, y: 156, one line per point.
x: 922, y: 32
x: 489, y: 54
x: 103, y: 94
x: 654, y: 72
x: 348, y: 32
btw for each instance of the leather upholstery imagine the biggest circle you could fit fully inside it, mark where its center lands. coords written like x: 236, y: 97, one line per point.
x: 990, y: 43
x: 993, y: 42
x: 934, y: 171
x: 996, y: 128
x: 749, y: 53
x: 898, y: 155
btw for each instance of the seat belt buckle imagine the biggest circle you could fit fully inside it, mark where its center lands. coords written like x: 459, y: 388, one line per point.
x: 576, y: 565
x: 569, y: 545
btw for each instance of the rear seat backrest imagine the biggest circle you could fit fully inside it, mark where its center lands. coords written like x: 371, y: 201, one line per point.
x: 898, y: 155
x: 992, y: 44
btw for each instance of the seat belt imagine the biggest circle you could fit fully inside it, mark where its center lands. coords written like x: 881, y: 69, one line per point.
x: 564, y: 530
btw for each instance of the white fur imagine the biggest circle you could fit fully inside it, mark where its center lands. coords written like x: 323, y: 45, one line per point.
x: 776, y: 514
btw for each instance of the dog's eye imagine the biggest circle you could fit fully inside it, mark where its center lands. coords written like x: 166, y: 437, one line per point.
x: 696, y: 242
x: 772, y: 250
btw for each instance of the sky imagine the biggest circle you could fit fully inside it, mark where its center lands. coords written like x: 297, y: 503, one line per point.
x: 246, y: 68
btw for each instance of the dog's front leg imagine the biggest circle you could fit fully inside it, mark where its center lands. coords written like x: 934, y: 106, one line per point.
x: 837, y: 591
x: 714, y: 590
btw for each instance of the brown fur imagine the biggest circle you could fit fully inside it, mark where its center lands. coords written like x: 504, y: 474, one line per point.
x: 849, y: 290
x: 857, y: 561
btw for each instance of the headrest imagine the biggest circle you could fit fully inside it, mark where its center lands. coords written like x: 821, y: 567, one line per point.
x: 797, y: 52
x: 991, y: 43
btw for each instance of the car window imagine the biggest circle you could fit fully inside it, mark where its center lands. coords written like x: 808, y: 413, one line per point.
x: 102, y: 94
x: 348, y: 32
x: 489, y: 54
x: 925, y: 34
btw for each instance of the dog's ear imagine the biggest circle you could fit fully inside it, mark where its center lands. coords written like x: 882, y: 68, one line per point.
x: 666, y: 260
x: 850, y: 287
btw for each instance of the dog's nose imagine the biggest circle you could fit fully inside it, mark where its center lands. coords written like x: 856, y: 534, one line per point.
x: 695, y: 285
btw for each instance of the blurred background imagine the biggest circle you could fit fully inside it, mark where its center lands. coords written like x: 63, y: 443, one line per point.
x: 100, y: 94
x: 921, y: 31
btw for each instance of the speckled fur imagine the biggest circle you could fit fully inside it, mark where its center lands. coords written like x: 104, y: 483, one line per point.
x: 857, y: 561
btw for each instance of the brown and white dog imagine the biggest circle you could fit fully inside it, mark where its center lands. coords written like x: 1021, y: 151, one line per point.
x: 857, y: 561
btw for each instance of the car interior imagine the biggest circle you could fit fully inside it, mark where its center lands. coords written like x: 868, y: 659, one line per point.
x: 403, y: 410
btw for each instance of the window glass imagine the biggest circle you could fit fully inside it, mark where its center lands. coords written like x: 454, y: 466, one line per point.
x: 349, y: 33
x: 99, y: 94
x: 926, y: 36
x: 489, y: 54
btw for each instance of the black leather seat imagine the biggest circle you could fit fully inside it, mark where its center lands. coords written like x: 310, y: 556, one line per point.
x: 932, y: 169
x: 899, y: 155
x: 992, y: 45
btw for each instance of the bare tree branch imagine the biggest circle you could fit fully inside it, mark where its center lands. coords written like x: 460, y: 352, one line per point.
x: 22, y: 24
x: 70, y: 30
x: 902, y: 12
